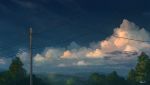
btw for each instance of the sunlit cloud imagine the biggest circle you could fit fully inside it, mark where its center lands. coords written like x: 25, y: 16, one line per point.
x: 104, y: 48
x: 39, y: 58
x: 95, y: 54
x: 66, y: 54
x: 110, y: 51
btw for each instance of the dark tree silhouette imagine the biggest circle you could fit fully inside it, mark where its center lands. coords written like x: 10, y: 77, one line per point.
x: 142, y: 69
x: 141, y: 73
x: 16, y: 75
x: 97, y: 79
x: 16, y: 69
x: 131, y: 77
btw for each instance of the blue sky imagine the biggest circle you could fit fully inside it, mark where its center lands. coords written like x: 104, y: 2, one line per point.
x: 57, y: 23
x: 68, y: 18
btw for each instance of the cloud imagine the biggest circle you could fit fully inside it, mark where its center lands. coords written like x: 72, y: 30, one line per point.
x: 2, y: 61
x: 111, y: 52
x: 81, y: 63
x: 76, y: 63
x: 48, y: 54
x: 66, y: 54
x: 95, y: 54
x: 39, y: 58
x: 108, y: 47
x: 127, y: 30
x: 129, y: 48
x: 61, y: 65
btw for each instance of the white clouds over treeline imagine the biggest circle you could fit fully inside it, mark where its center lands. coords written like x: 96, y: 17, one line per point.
x: 111, y: 44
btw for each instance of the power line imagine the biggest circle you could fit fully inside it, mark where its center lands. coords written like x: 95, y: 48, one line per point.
x: 81, y: 36
x: 130, y: 39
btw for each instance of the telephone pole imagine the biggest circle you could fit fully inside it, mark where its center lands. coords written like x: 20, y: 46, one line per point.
x: 30, y: 52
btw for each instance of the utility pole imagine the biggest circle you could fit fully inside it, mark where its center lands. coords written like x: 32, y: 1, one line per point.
x: 30, y: 50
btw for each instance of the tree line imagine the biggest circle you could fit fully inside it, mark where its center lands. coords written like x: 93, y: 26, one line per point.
x: 140, y: 75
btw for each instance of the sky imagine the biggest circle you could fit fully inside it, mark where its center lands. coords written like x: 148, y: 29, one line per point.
x: 74, y: 33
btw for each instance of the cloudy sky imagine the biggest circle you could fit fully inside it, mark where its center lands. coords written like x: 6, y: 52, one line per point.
x: 75, y: 33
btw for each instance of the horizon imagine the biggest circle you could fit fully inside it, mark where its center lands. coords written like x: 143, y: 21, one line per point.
x: 76, y: 35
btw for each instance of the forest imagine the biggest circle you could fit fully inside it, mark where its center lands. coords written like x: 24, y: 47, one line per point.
x: 139, y: 75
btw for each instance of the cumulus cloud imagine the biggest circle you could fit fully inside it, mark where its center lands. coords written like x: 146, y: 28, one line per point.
x: 110, y: 45
x: 95, y: 54
x: 39, y: 58
x: 126, y: 30
x: 66, y: 54
x: 48, y: 54
x: 113, y: 50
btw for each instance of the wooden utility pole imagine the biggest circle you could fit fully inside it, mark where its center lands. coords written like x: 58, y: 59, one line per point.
x: 30, y: 50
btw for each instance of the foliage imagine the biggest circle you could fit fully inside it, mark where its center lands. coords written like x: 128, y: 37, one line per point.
x: 131, y: 77
x: 97, y: 79
x: 16, y: 69
x: 110, y: 79
x: 70, y: 81
x: 16, y: 75
x: 114, y: 79
x: 143, y: 68
x: 141, y: 73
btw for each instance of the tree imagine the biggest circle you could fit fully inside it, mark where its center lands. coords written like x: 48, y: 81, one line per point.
x: 114, y: 79
x: 141, y: 73
x: 70, y: 81
x: 16, y: 75
x: 36, y: 81
x: 16, y: 69
x: 142, y: 69
x: 5, y: 78
x: 131, y: 77
x: 97, y: 79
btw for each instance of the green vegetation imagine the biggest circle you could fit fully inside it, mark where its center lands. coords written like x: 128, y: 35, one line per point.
x: 140, y: 75
x: 70, y: 81
x: 16, y: 75
x: 110, y: 79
